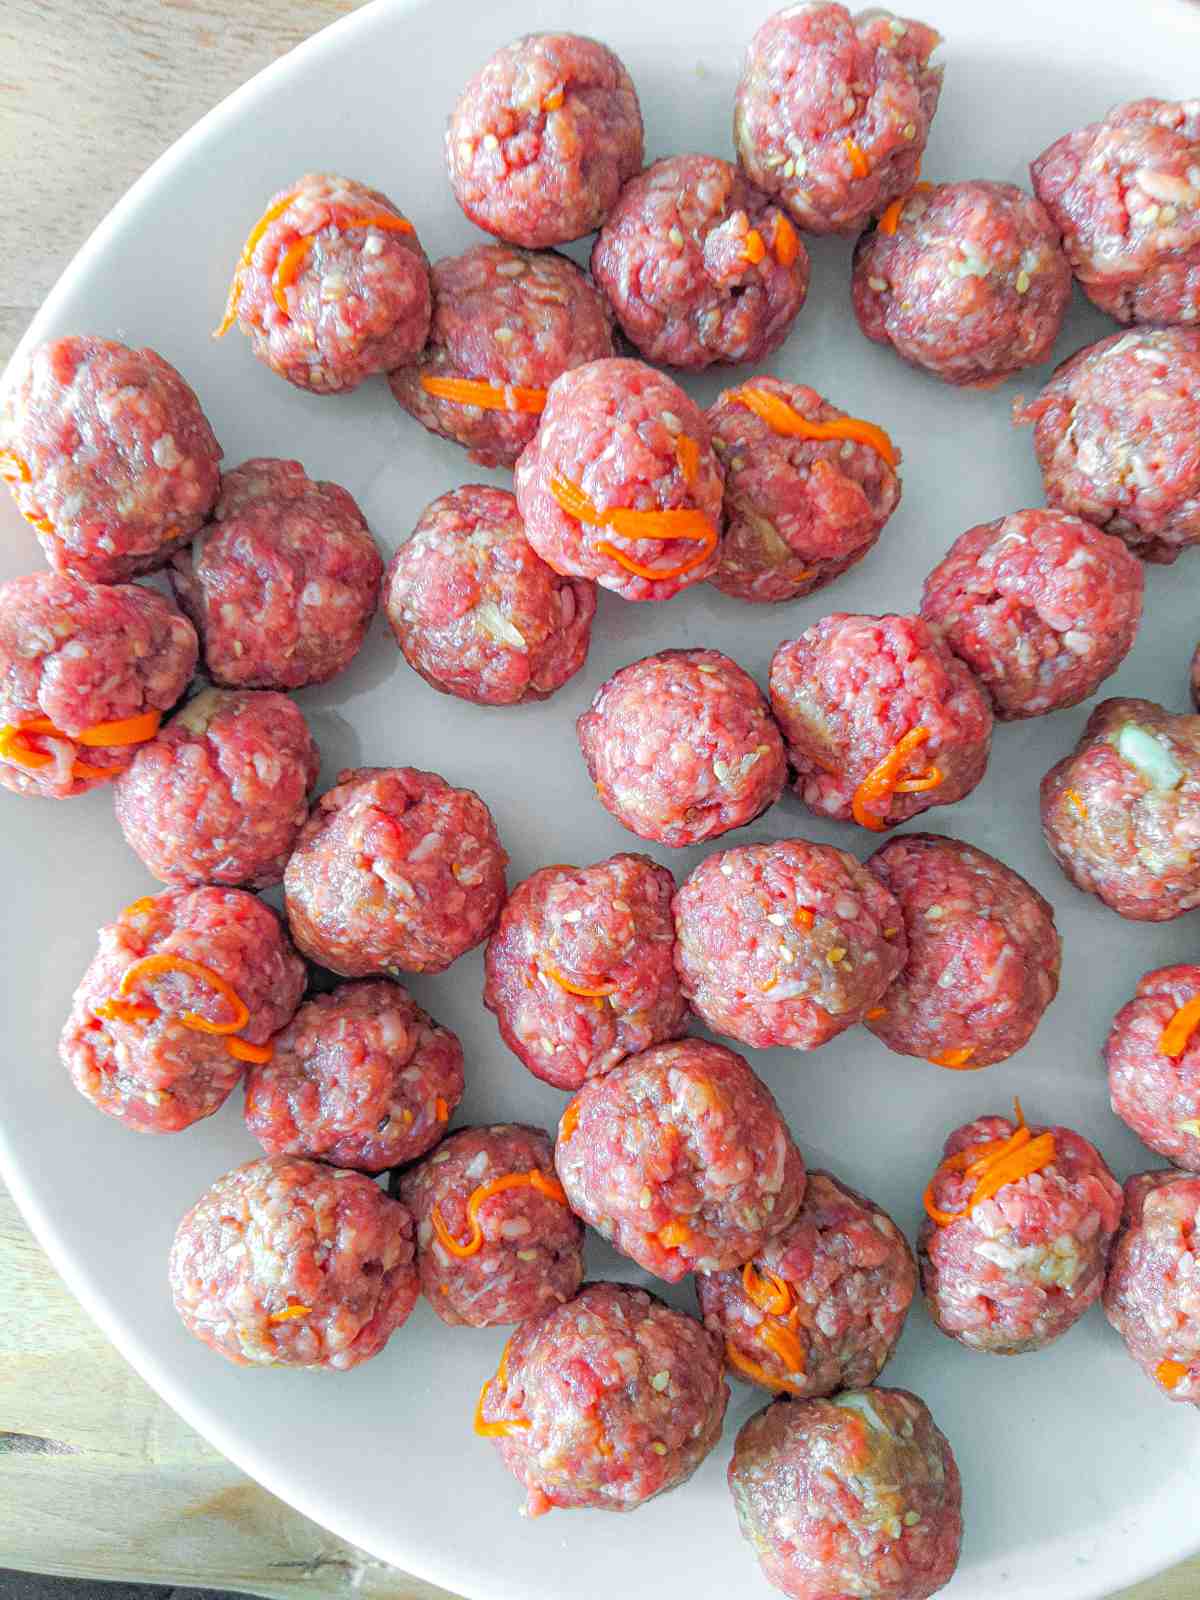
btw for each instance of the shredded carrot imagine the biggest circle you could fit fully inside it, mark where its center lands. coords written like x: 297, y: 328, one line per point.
x: 956, y: 1060
x: 550, y: 1187
x: 673, y: 1234
x: 84, y: 769
x: 554, y: 99
x: 784, y: 419
x: 570, y: 1121
x: 876, y: 1012
x: 125, y: 1011
x: 288, y: 269
x: 803, y: 917
x: 686, y: 523
x: 784, y: 241
x: 753, y: 249
x: 139, y: 907
x: 884, y: 780
x: 751, y: 1369
x: 42, y: 524
x: 687, y: 454
x: 993, y: 1163
x: 1171, y: 1373
x: 152, y: 966
x: 126, y: 730
x: 256, y: 1054
x: 290, y: 1314
x: 13, y: 747
x: 491, y: 1430
x: 767, y: 1290
x: 381, y: 220
x: 13, y: 468
x: 486, y: 396
x: 1172, y: 1041
x: 860, y: 167
x: 889, y: 221
x: 597, y: 992
x: 244, y: 260
x: 441, y: 1110
x: 1077, y: 801
x: 783, y: 1341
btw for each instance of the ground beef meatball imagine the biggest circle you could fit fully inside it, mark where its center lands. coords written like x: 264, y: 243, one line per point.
x: 1154, y: 1066
x: 969, y: 283
x: 1011, y: 1271
x: 1125, y: 195
x: 682, y: 747
x: 82, y: 664
x: 700, y: 266
x: 108, y: 456
x: 282, y: 586
x: 1117, y: 436
x: 1151, y: 1294
x: 881, y: 721
x: 629, y: 453
x: 983, y: 954
x: 543, y: 137
x: 833, y: 111
x: 822, y: 1305
x: 679, y: 1157
x: 395, y: 871
x: 360, y: 1077
x: 496, y: 1241
x: 287, y: 1263
x: 220, y: 795
x: 787, y: 943
x: 854, y: 1496
x: 623, y: 1398
x: 580, y: 971
x: 1121, y: 813
x: 806, y: 497
x: 185, y: 988
x: 511, y: 321
x: 476, y: 610
x: 332, y: 285
x: 1041, y: 606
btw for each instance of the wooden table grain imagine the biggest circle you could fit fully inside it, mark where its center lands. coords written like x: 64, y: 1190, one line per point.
x: 98, y: 1478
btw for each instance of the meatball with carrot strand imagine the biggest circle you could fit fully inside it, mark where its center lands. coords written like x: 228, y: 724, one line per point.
x: 1150, y: 1293
x: 1153, y: 1058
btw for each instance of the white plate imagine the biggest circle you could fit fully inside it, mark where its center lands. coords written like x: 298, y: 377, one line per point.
x: 1078, y: 1478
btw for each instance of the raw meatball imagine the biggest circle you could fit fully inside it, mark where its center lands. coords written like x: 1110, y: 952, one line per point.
x: 543, y: 137
x: 855, y: 1496
x: 605, y: 1402
x: 512, y: 322
x: 1010, y: 1271
x: 332, y: 285
x: 787, y: 943
x: 629, y: 452
x: 1154, y: 1067
x: 1124, y: 194
x: 806, y: 494
x: 185, y: 988
x: 881, y: 721
x: 580, y: 971
x: 822, y: 1305
x: 699, y: 266
x: 360, y: 1077
x: 679, y: 1157
x: 983, y: 954
x: 969, y: 282
x: 286, y: 1263
x: 833, y: 111
x: 395, y: 871
x: 108, y: 456
x: 1117, y: 436
x: 1040, y: 605
x: 496, y: 1241
x: 477, y: 612
x: 682, y: 747
x: 82, y: 665
x: 282, y: 586
x: 1121, y: 813
x: 221, y: 794
x: 1151, y: 1295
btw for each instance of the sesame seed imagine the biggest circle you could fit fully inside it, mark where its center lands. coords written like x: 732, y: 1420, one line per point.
x: 676, y: 237
x: 789, y: 169
x: 490, y: 142
x: 660, y: 1380
x: 504, y: 336
x: 786, y: 954
x: 878, y: 284
x: 659, y: 1447
x: 909, y: 130
x: 911, y: 1518
x: 1022, y: 282
x: 776, y: 919
x: 526, y: 1255
x: 838, y: 953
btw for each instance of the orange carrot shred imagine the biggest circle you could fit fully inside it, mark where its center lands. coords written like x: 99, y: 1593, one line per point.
x: 1173, y: 1040
x: 751, y: 1369
x: 1077, y: 801
x: 14, y: 468
x: 13, y: 747
x: 125, y: 1011
x: 554, y: 99
x: 84, y: 769
x: 126, y: 730
x: 784, y: 241
x: 381, y: 220
x: 687, y: 454
x: 785, y: 420
x: 550, y: 1187
x: 243, y: 1050
x: 993, y: 1163
x: 486, y: 396
x: 290, y: 1314
x: 876, y: 1012
x: 1171, y: 1374
x: 441, y: 1110
x: 753, y: 250
x: 803, y: 917
x: 889, y: 220
x: 151, y: 966
x: 956, y: 1060
x: 767, y: 1290
x: 884, y: 780
x: 860, y: 167
x: 491, y: 1430
x: 246, y: 257
x: 288, y: 269
x: 570, y: 1121
x: 783, y: 1341
x: 672, y: 1234
x: 688, y: 524
x: 139, y: 907
x: 598, y: 992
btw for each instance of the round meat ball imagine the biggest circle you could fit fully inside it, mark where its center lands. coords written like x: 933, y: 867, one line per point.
x: 822, y: 1305
x: 881, y: 721
x: 983, y: 954
x: 787, y: 943
x: 806, y: 497
x: 833, y: 111
x: 1121, y: 812
x: 1012, y: 1270
x: 332, y: 285
x: 699, y: 266
x: 680, y: 1158
x: 580, y: 971
x: 287, y: 1263
x: 360, y: 1077
x: 513, y: 322
x: 395, y: 871
x: 623, y: 1398
x: 220, y: 795
x: 629, y: 453
x: 476, y: 610
x: 1154, y: 1066
x: 1117, y: 437
x: 970, y: 284
x: 1041, y: 606
x: 682, y: 747
x: 108, y: 455
x: 1151, y: 1295
x: 542, y: 138
x: 156, y: 1036
x: 496, y: 1241
x: 283, y: 584
x: 1123, y: 193
x: 82, y: 663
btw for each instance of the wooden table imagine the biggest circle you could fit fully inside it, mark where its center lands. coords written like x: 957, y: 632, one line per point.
x: 98, y: 1478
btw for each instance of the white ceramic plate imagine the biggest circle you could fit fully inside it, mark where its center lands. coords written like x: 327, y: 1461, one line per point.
x: 1078, y: 1478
